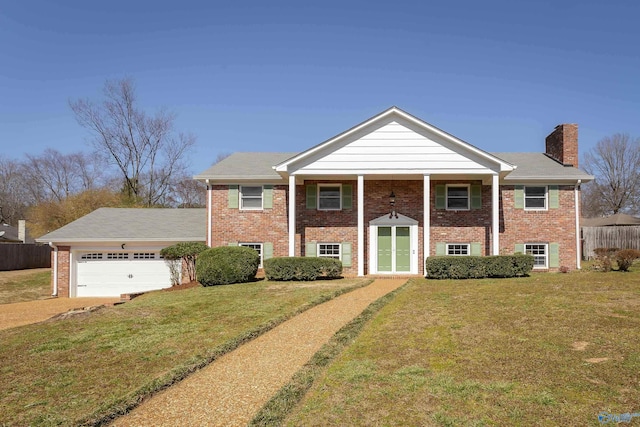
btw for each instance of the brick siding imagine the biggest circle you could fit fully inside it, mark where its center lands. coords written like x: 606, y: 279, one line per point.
x: 517, y: 226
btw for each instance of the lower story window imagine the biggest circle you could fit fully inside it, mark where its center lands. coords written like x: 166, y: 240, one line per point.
x: 255, y: 246
x: 144, y: 255
x: 539, y: 252
x: 329, y: 250
x: 457, y: 249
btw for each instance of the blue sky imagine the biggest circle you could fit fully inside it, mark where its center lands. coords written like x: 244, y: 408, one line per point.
x: 285, y: 75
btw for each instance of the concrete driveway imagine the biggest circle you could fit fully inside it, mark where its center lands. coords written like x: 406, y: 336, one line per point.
x: 25, y: 313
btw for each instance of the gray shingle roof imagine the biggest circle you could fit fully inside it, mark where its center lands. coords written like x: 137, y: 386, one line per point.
x: 259, y: 166
x: 538, y: 166
x: 243, y: 166
x: 142, y: 225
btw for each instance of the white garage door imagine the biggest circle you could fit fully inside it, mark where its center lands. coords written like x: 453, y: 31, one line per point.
x: 106, y: 274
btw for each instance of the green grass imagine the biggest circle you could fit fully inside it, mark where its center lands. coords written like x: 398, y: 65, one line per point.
x: 92, y: 367
x: 24, y: 285
x: 550, y: 349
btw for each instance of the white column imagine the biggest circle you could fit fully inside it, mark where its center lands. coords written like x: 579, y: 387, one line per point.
x: 426, y: 220
x: 292, y: 215
x: 360, y: 225
x: 209, y: 213
x: 495, y: 214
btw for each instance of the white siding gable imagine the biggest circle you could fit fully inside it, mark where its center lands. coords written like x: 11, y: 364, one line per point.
x: 395, y: 147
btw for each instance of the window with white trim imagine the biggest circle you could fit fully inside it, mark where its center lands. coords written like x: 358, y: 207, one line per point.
x: 255, y: 246
x: 144, y: 255
x: 251, y: 197
x: 458, y: 197
x: 540, y: 252
x: 458, y: 249
x: 535, y: 198
x: 96, y: 255
x: 329, y: 250
x: 329, y: 197
x: 117, y: 255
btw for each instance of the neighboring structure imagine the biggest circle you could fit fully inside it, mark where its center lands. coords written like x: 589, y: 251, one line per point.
x: 116, y: 251
x: 361, y: 197
x: 620, y: 231
x: 11, y: 234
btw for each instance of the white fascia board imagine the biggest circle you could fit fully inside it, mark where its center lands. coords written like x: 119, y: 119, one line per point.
x: 123, y: 240
x: 504, y: 166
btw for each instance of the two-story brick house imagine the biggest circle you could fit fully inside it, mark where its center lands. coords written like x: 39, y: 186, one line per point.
x: 365, y: 195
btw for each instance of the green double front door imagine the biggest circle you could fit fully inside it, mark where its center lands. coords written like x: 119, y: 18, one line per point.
x: 394, y: 249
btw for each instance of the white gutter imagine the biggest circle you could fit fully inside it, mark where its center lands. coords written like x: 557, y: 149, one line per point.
x: 576, y: 203
x: 55, y: 269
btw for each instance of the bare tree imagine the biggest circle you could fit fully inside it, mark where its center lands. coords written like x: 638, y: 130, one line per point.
x: 14, y: 201
x: 615, y: 163
x: 53, y: 176
x: 145, y: 149
x: 188, y: 193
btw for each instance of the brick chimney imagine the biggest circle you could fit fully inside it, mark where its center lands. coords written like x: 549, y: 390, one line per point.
x: 562, y: 144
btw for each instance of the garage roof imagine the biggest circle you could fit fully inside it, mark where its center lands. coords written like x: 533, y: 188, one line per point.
x: 133, y: 225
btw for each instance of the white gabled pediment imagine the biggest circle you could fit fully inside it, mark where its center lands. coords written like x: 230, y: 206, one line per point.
x: 394, y: 142
x: 389, y: 220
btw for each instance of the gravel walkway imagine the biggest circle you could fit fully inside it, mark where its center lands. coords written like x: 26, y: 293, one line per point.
x: 25, y: 313
x: 231, y: 390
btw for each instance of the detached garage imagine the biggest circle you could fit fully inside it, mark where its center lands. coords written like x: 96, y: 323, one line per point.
x: 115, y: 251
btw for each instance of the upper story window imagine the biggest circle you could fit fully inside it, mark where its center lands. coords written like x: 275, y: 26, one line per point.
x: 251, y: 197
x: 458, y: 197
x: 535, y: 198
x: 329, y: 197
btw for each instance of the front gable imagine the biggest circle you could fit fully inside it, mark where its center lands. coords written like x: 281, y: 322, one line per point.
x: 394, y: 142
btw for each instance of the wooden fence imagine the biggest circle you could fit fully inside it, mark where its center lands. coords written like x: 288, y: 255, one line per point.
x: 621, y: 237
x: 20, y: 256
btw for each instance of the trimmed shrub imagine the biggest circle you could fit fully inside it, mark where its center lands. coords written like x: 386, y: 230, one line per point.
x: 626, y: 257
x: 182, y: 254
x: 227, y: 264
x: 476, y: 267
x: 301, y: 268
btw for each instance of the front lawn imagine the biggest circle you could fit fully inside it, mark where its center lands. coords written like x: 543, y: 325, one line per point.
x: 87, y: 367
x: 550, y: 349
x: 25, y: 285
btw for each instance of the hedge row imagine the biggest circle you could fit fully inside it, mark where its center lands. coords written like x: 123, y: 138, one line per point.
x: 227, y: 264
x: 476, y: 267
x: 301, y: 268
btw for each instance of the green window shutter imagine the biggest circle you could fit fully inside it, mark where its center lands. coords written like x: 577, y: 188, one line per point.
x: 518, y: 197
x: 476, y: 197
x: 267, y: 250
x: 312, y: 196
x: 554, y: 199
x: 441, y: 197
x: 310, y: 249
x: 232, y: 244
x: 476, y: 249
x: 554, y: 255
x: 267, y: 196
x: 346, y: 254
x: 441, y: 249
x: 519, y: 248
x: 233, y: 197
x: 347, y: 196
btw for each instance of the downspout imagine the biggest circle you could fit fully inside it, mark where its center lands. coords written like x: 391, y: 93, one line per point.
x: 55, y: 269
x: 576, y: 202
x: 208, y: 213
